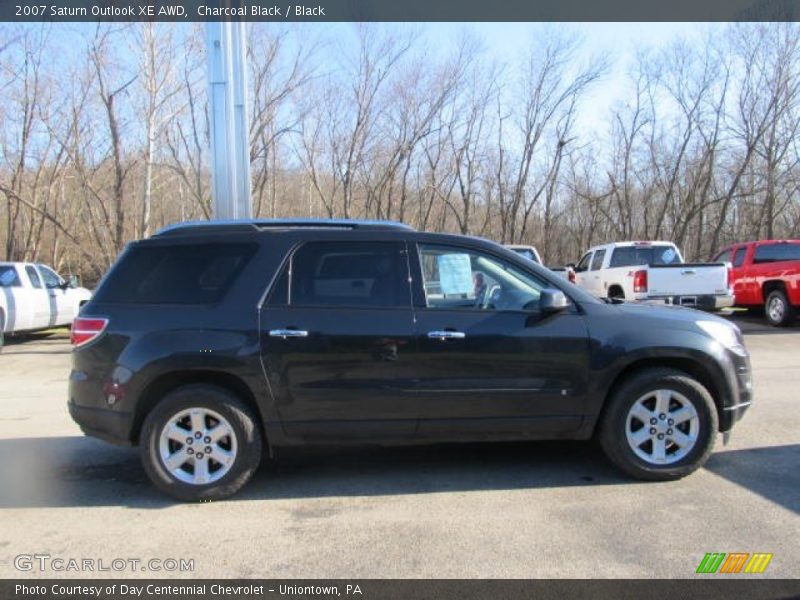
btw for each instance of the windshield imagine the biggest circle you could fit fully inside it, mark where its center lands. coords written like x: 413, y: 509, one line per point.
x: 629, y: 256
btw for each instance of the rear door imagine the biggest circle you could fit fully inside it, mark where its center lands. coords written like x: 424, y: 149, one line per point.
x: 18, y: 300
x: 42, y: 308
x: 593, y: 276
x: 337, y: 337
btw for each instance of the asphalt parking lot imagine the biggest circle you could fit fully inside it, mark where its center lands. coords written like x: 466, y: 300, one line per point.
x: 509, y: 510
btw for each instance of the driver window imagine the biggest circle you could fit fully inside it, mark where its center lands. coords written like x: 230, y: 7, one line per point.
x: 460, y: 278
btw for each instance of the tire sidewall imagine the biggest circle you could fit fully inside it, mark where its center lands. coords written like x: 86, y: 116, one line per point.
x: 613, y: 435
x: 248, y: 442
x: 787, y: 311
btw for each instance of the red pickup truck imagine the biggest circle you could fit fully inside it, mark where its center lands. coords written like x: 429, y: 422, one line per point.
x: 766, y: 274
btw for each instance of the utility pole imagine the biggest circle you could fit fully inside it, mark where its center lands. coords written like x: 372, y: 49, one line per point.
x: 229, y: 122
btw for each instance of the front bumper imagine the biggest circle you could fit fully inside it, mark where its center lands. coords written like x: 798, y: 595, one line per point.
x: 740, y: 383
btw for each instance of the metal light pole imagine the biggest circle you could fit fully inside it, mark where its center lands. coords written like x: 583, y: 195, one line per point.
x: 229, y: 121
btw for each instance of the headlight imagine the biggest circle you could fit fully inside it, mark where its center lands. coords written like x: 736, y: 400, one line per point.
x: 727, y: 335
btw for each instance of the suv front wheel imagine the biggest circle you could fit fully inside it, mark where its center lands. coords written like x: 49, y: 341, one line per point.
x: 660, y: 425
x: 200, y: 443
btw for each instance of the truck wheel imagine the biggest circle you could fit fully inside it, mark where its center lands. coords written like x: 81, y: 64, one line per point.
x: 200, y: 443
x: 778, y: 310
x: 660, y: 425
x: 616, y: 293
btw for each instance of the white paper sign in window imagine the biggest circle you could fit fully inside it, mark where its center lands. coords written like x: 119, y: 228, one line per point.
x: 455, y: 273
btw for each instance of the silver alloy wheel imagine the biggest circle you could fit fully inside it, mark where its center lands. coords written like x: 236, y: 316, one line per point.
x: 197, y: 446
x: 662, y: 427
x: 776, y: 309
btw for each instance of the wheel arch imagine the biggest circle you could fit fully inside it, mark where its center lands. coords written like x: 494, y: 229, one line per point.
x: 615, y: 287
x: 770, y: 285
x: 167, y: 382
x: 692, y: 367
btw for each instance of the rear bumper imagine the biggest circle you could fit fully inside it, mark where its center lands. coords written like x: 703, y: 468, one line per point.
x: 702, y: 302
x: 109, y: 425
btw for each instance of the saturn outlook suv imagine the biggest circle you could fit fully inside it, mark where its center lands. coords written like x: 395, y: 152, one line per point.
x: 210, y: 345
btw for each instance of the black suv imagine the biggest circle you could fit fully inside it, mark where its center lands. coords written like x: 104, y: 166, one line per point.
x: 210, y: 343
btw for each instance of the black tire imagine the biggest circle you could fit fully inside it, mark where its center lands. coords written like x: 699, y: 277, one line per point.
x: 778, y: 310
x: 227, y: 405
x: 616, y: 293
x: 614, y: 423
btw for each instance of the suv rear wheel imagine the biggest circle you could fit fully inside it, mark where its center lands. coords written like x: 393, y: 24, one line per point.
x: 200, y: 443
x: 660, y: 425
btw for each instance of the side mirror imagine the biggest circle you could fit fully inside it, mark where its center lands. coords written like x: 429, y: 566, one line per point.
x: 73, y: 281
x: 552, y: 300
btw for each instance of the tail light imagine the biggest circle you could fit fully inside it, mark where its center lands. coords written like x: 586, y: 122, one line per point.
x: 640, y: 282
x: 730, y: 276
x: 571, y: 275
x: 84, y: 330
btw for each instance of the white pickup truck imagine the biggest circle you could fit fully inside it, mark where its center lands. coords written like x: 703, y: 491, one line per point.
x: 33, y: 296
x: 531, y: 253
x: 653, y: 272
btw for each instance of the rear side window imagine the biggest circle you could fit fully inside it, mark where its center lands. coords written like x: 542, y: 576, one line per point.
x: 9, y: 277
x: 630, y: 256
x: 34, y: 277
x: 597, y: 261
x: 192, y: 274
x: 776, y: 253
x: 738, y: 258
x: 369, y: 274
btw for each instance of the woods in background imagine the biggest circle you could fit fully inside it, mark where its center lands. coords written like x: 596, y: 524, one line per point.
x: 104, y: 137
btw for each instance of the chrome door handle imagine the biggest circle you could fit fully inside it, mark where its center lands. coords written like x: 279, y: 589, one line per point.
x: 446, y: 335
x: 688, y: 272
x: 287, y: 333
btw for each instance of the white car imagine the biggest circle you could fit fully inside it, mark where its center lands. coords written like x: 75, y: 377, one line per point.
x: 529, y: 252
x: 33, y: 296
x: 653, y: 272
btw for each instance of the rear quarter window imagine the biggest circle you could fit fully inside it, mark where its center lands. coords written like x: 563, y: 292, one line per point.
x: 185, y: 274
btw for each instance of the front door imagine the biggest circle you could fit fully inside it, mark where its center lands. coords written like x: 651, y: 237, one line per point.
x: 337, y: 342
x: 42, y: 307
x: 490, y: 364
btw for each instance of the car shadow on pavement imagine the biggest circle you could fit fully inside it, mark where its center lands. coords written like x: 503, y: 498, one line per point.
x: 770, y: 472
x: 80, y: 471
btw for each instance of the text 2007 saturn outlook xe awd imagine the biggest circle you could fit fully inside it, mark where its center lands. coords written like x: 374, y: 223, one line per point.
x: 209, y: 344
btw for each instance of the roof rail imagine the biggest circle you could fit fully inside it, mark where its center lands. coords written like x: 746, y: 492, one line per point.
x: 244, y: 225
